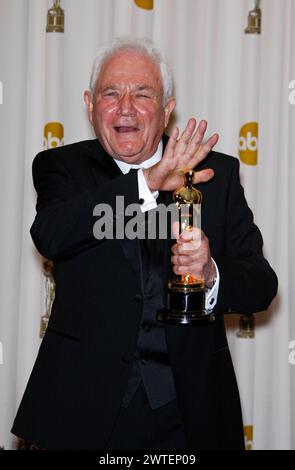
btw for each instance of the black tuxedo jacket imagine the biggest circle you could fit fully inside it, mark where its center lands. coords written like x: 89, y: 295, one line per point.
x: 80, y: 375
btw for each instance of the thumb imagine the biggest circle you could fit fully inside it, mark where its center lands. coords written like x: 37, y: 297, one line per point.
x: 175, y: 230
x: 203, y: 175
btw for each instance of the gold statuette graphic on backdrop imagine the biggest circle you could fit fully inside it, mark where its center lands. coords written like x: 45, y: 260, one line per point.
x: 55, y: 19
x: 254, y: 20
x: 247, y: 326
x: 185, y: 294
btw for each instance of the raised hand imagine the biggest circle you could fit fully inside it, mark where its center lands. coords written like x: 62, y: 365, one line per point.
x: 180, y: 155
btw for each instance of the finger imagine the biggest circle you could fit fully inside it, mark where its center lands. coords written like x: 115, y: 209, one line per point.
x: 206, y: 148
x: 192, y: 270
x: 183, y: 270
x: 174, y: 249
x: 169, y: 150
x: 190, y: 247
x: 186, y: 136
x: 188, y: 131
x: 191, y: 234
x: 196, y: 153
x: 186, y: 236
x: 191, y: 256
x: 178, y: 260
x: 197, y: 137
x: 175, y: 230
x: 203, y: 175
x: 193, y: 250
x: 213, y: 139
x: 177, y: 249
x: 184, y: 249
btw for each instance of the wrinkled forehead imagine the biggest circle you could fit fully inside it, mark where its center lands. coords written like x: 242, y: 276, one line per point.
x: 124, y: 66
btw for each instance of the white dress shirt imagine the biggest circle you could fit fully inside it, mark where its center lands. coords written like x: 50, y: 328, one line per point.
x: 144, y: 193
x: 150, y: 202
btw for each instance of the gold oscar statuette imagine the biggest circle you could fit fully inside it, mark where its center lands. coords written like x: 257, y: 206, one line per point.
x: 185, y: 294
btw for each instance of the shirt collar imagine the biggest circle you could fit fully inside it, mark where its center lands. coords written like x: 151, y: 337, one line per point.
x: 125, y: 167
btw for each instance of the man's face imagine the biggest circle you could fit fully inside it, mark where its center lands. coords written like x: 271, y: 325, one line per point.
x: 127, y: 110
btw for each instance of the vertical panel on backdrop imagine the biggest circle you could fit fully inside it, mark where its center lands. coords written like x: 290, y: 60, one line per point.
x: 244, y: 366
x: 142, y: 18
x: 248, y: 154
x: 248, y: 137
x: 53, y: 128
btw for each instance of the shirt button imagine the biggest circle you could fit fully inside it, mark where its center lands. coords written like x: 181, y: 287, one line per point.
x: 146, y: 327
x: 141, y: 201
x: 212, y: 300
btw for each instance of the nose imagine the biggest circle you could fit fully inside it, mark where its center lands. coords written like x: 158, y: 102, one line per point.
x: 126, y: 106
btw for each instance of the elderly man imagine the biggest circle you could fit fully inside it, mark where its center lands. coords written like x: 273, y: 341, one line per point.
x: 108, y: 375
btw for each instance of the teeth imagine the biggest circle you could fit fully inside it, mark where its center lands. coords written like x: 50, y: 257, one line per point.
x: 125, y: 129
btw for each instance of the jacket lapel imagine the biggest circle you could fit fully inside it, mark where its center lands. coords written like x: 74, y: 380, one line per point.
x: 104, y: 168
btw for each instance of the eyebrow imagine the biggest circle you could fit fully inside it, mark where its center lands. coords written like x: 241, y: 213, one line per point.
x: 138, y: 87
x: 144, y: 87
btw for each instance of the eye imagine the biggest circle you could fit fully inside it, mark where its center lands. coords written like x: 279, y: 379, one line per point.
x: 111, y: 93
x: 143, y: 95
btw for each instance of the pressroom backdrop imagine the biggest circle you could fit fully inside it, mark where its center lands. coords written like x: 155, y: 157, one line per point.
x: 234, y: 65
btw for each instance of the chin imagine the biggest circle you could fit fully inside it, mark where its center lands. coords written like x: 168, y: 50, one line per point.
x: 128, y: 152
x: 132, y: 159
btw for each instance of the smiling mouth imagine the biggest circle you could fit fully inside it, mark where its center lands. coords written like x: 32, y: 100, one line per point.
x: 125, y: 129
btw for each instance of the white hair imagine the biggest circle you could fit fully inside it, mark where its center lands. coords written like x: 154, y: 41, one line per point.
x: 141, y: 46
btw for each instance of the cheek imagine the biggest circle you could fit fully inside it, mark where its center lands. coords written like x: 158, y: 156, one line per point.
x: 104, y: 113
x: 148, y: 111
x: 154, y: 122
x: 104, y: 123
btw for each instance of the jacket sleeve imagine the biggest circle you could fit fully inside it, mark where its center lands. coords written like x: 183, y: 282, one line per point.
x: 64, y: 222
x: 247, y: 282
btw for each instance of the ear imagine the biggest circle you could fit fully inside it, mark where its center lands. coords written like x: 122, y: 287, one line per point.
x: 168, y: 109
x: 89, y: 105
